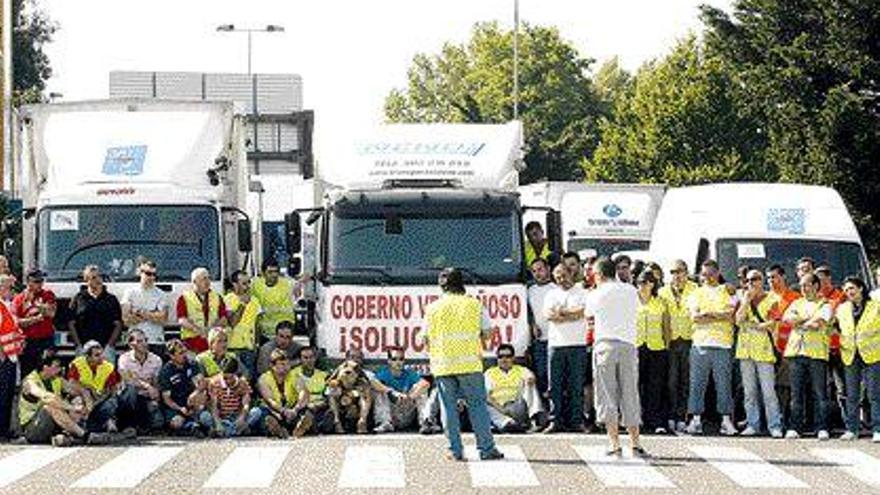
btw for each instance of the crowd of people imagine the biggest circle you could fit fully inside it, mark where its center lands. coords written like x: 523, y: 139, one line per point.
x: 614, y: 344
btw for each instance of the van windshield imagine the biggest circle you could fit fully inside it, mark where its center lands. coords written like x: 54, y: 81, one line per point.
x: 844, y: 258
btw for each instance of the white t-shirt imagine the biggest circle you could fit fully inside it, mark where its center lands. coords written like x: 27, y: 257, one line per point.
x: 569, y: 333
x: 537, y: 294
x: 153, y: 299
x: 614, y: 306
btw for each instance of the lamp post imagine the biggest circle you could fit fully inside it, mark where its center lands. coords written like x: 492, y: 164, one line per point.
x: 230, y: 28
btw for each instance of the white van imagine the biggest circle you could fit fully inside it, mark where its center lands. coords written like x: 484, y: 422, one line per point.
x: 758, y: 224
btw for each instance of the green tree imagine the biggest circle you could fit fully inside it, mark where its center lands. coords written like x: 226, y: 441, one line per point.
x: 809, y: 70
x: 472, y: 82
x: 31, y: 67
x: 679, y: 124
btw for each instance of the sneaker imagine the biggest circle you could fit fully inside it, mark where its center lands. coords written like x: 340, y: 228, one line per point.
x: 512, y: 427
x: 776, y: 433
x: 875, y: 437
x: 552, y: 427
x: 727, y: 428
x: 680, y: 426
x: 111, y: 426
x: 670, y: 425
x: 823, y: 435
x: 62, y: 440
x: 274, y: 428
x: 694, y: 428
x: 639, y: 451
x: 425, y: 428
x: 303, y: 425
x: 749, y: 432
x: 384, y: 428
x: 660, y: 430
x: 98, y: 439
x: 848, y: 436
x: 454, y: 457
x: 492, y: 455
x: 792, y: 435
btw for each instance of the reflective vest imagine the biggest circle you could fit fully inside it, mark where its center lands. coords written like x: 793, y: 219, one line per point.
x: 807, y: 342
x: 505, y: 387
x: 315, y: 384
x: 531, y: 255
x: 715, y: 300
x: 277, y: 303
x: 752, y: 343
x: 196, y: 314
x: 94, y: 381
x: 243, y: 335
x: 454, y: 335
x: 290, y: 394
x: 210, y: 365
x: 11, y: 337
x: 26, y: 408
x: 649, y: 324
x: 680, y: 323
x: 862, y: 337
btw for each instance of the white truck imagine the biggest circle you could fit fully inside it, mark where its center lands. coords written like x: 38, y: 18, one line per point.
x: 397, y: 206
x: 599, y: 218
x: 758, y: 224
x: 107, y: 182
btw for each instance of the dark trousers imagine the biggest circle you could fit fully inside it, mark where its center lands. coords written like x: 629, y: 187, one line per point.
x: 808, y: 382
x: 134, y: 409
x: 678, y: 378
x: 539, y: 359
x: 653, y: 377
x: 567, y: 381
x: 30, y: 356
x: 102, y: 412
x: 7, y: 393
x: 855, y: 373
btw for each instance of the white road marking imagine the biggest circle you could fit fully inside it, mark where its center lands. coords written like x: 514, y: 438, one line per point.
x: 513, y: 470
x: 372, y: 467
x: 745, y: 468
x: 627, y: 472
x: 248, y: 467
x: 128, y: 469
x: 20, y: 464
x: 859, y: 465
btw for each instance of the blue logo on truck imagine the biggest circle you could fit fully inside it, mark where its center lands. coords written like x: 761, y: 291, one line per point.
x: 786, y: 220
x: 612, y: 210
x: 125, y: 160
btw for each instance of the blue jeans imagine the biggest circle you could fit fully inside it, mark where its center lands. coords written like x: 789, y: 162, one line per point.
x: 471, y: 387
x: 855, y: 372
x: 713, y: 361
x: 539, y: 358
x: 254, y: 419
x: 759, y: 384
x: 102, y: 412
x: 7, y: 394
x: 567, y: 365
x: 138, y: 410
x: 808, y: 378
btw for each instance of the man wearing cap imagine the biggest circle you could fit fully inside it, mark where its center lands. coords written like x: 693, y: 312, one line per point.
x: 35, y: 310
x: 457, y: 324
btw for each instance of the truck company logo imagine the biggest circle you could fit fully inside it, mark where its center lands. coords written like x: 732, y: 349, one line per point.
x: 612, y: 213
x: 420, y: 148
x: 612, y: 210
x: 786, y: 220
x: 125, y: 160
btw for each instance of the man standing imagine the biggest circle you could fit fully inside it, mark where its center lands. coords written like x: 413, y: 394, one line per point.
x: 145, y: 307
x: 244, y: 313
x: 567, y: 342
x: 785, y: 296
x: 675, y: 295
x: 276, y: 295
x: 623, y: 264
x: 613, y: 306
x: 514, y: 403
x: 711, y: 307
x: 97, y: 314
x: 11, y: 342
x: 35, y: 310
x: 283, y: 341
x: 199, y: 310
x: 456, y: 325
x: 538, y: 322
x: 536, y: 244
x: 572, y: 261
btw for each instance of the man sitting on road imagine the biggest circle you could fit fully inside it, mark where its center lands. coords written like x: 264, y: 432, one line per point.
x: 184, y: 394
x: 211, y: 361
x: 311, y: 383
x: 139, y: 369
x: 282, y: 405
x: 514, y: 403
x: 100, y: 385
x: 230, y: 399
x: 401, y: 395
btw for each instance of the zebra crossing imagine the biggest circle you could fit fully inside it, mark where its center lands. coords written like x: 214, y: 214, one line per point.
x: 398, y: 464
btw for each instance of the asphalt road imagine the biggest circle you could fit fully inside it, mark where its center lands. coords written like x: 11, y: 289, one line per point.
x: 405, y: 463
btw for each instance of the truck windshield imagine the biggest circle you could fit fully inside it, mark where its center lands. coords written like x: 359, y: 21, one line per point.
x: 410, y: 248
x: 844, y: 258
x: 177, y: 238
x: 607, y: 247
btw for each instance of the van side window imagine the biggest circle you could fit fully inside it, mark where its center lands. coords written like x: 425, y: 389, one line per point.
x: 702, y: 253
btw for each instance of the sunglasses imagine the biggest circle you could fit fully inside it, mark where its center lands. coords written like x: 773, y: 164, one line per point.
x: 148, y: 273
x: 755, y: 279
x: 505, y: 356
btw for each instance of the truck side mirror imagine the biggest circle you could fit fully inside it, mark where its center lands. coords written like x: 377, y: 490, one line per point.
x: 293, y: 231
x: 245, y: 242
x: 554, y: 232
x: 294, y: 267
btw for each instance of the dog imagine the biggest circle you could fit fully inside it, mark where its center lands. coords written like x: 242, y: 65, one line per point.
x: 350, y: 397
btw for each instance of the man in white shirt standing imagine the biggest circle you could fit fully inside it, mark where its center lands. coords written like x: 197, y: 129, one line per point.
x: 567, y: 342
x: 146, y: 307
x: 538, y: 322
x: 613, y: 306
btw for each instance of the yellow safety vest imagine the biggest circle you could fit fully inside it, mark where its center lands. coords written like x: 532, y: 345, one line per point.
x: 649, y: 324
x: 93, y: 381
x: 243, y: 335
x: 531, y: 255
x: 277, y: 303
x: 680, y: 323
x: 505, y: 387
x: 26, y: 408
x: 862, y: 337
x: 712, y: 299
x: 808, y: 343
x: 756, y: 344
x: 315, y: 384
x: 210, y: 365
x: 195, y: 313
x: 288, y: 399
x: 454, y: 335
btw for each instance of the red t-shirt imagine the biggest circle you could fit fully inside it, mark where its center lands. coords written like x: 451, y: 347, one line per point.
x: 112, y: 380
x: 25, y: 305
x: 786, y: 298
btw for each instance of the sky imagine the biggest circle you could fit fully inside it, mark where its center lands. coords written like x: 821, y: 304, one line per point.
x: 349, y: 53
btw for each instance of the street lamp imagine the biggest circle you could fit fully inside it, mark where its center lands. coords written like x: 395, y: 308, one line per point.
x: 230, y: 28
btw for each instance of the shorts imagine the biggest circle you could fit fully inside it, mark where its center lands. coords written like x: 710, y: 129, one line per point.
x: 40, y: 428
